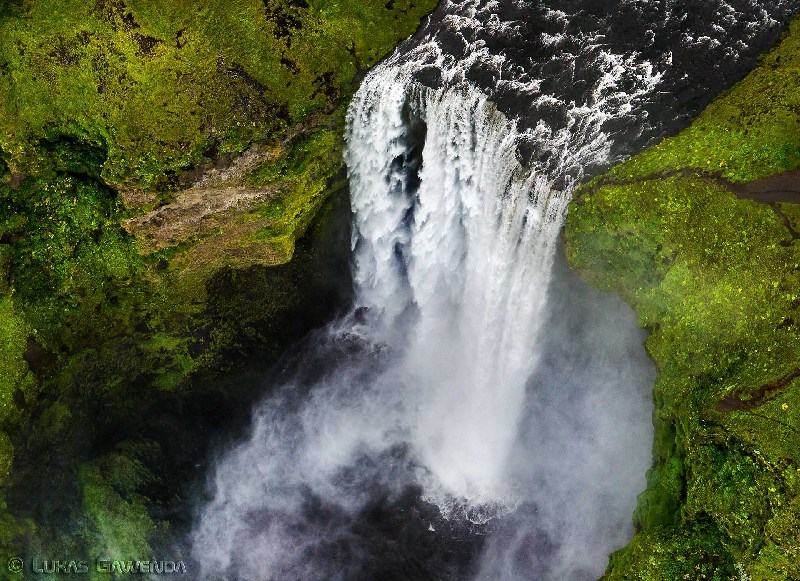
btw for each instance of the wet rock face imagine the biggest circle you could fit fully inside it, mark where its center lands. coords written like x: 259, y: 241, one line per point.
x: 194, y: 213
x: 220, y: 206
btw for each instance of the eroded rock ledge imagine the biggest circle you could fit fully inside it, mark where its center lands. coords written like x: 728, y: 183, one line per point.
x: 217, y: 213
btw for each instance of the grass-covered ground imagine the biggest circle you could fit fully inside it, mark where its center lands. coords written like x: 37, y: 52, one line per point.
x: 108, y: 110
x: 716, y: 280
x: 157, y: 84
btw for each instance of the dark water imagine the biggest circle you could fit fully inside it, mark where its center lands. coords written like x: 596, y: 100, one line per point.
x: 700, y: 46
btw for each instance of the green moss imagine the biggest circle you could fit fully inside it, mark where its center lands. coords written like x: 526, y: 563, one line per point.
x: 674, y: 554
x: 12, y: 530
x: 779, y: 558
x: 15, y: 377
x: 305, y: 174
x: 716, y: 280
x: 156, y: 83
x: 119, y: 524
x: 659, y: 505
x: 6, y: 456
x: 69, y: 256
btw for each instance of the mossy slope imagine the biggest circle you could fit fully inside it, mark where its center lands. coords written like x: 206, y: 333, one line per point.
x: 716, y: 279
x: 112, y: 109
x: 157, y: 84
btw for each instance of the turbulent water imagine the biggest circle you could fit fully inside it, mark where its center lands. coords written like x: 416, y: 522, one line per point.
x: 479, y: 414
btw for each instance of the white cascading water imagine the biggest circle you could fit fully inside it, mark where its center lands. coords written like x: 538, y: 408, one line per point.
x: 454, y: 243
x: 471, y: 264
x: 467, y: 246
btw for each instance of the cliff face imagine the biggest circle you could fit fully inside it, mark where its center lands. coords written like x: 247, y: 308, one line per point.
x: 166, y: 171
x: 702, y: 242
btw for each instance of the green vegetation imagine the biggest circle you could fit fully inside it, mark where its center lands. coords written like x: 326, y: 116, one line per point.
x: 117, y: 513
x: 305, y: 173
x: 108, y: 111
x: 157, y: 84
x: 716, y: 279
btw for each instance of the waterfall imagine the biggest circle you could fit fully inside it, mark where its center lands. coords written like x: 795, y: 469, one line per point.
x: 460, y: 241
x: 430, y: 383
x: 455, y: 236
x: 453, y: 245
